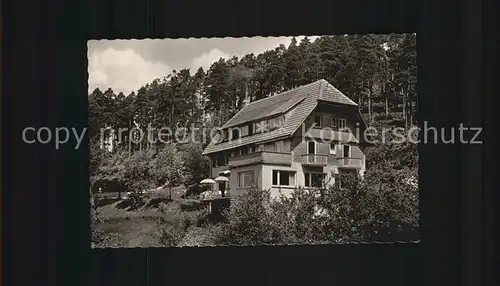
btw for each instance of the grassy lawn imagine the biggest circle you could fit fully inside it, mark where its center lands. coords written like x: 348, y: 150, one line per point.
x: 140, y: 228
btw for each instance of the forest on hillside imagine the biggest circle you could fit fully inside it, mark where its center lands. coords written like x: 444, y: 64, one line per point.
x: 377, y: 71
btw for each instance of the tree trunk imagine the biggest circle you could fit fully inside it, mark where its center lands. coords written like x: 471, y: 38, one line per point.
x: 415, y: 116
x: 92, y: 201
x: 410, y: 109
x: 404, y: 107
x: 386, y: 106
x: 370, y: 103
x: 129, y: 139
x: 172, y: 116
x: 386, y: 99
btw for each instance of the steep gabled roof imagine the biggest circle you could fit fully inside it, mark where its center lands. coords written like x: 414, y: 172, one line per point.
x: 301, y: 101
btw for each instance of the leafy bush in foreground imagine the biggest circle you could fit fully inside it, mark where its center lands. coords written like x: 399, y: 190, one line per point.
x: 378, y: 208
x: 171, y: 235
x: 101, y: 239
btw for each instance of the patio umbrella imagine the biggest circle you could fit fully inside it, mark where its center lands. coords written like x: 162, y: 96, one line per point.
x: 226, y: 172
x: 207, y: 181
x: 222, y: 179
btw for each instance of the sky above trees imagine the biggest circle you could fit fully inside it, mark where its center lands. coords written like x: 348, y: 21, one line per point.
x: 126, y: 65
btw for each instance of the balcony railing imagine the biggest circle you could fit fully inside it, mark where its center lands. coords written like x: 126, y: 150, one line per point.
x: 314, y: 160
x: 262, y: 157
x: 355, y: 163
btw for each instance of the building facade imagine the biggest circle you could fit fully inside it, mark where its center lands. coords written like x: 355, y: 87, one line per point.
x: 299, y: 138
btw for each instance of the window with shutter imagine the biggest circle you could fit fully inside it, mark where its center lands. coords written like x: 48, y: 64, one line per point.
x: 333, y: 148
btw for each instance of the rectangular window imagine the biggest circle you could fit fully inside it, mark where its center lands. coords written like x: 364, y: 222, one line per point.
x: 245, y: 131
x: 317, y: 180
x: 287, y: 178
x: 338, y: 123
x: 314, y: 180
x: 317, y: 121
x: 231, y: 154
x: 221, y: 160
x: 333, y: 148
x: 272, y: 123
x: 276, y: 123
x: 346, y: 151
x: 244, y: 150
x: 311, y: 147
x: 283, y: 178
x: 341, y: 124
x: 251, y: 149
x: 334, y: 123
x: 246, y: 179
x: 260, y: 127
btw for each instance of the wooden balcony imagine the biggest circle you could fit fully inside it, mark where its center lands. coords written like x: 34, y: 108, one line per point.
x: 262, y: 157
x: 350, y: 163
x: 314, y: 160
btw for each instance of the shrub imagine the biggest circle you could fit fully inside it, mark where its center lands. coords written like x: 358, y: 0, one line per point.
x: 202, y: 217
x: 101, y: 239
x: 378, y: 208
x: 171, y: 235
x: 137, y: 199
x: 249, y: 221
x: 297, y: 218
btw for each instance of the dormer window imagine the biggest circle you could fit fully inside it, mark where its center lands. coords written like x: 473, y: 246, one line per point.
x: 260, y: 127
x: 317, y: 121
x: 235, y: 133
x: 245, y: 131
x: 338, y: 123
x: 276, y: 123
x: 341, y: 124
x: 334, y: 123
